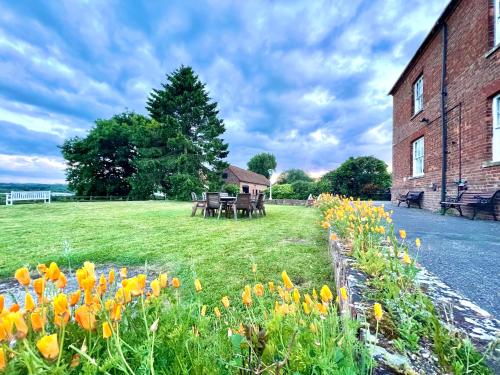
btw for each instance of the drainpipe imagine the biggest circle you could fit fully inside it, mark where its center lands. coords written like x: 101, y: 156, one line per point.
x: 444, y: 136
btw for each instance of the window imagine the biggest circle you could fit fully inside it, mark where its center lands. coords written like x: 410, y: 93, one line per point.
x: 418, y: 157
x: 496, y: 128
x: 497, y: 22
x: 418, y: 94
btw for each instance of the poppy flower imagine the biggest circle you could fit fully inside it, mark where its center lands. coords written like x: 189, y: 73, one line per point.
x: 20, y: 324
x: 406, y: 258
x: 53, y: 272
x: 3, y: 359
x: 155, y: 287
x: 37, y: 322
x: 307, y: 308
x: 90, y: 268
x: 111, y: 276
x: 270, y: 284
x: 62, y: 281
x: 60, y: 304
x: 402, y: 234
x: 217, y: 312
x: 197, y: 285
x: 42, y: 269
x: 417, y: 242
x: 74, y: 298
x: 308, y: 299
x: 85, y: 317
x: 322, y: 308
x: 176, y: 282
x: 259, y: 290
x: 326, y: 294
x: 163, y: 278
x: 247, y: 296
x: 2, y: 302
x: 296, y: 295
x: 225, y: 302
x: 286, y: 280
x: 14, y: 307
x: 23, y: 276
x: 203, y: 310
x: 29, y: 303
x: 60, y: 320
x: 116, y: 313
x: 343, y: 293
x: 39, y: 286
x: 106, y: 330
x: 48, y: 346
x: 123, y: 272
x: 141, y: 279
x: 377, y: 311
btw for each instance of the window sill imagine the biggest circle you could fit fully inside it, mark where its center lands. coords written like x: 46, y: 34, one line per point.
x: 492, y: 51
x: 416, y: 177
x: 416, y: 114
x: 488, y: 164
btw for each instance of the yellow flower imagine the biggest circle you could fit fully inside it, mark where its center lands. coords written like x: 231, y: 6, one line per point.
x: 37, y: 322
x: 111, y: 276
x: 197, y: 285
x: 62, y: 281
x: 307, y: 308
x: 3, y: 359
x: 271, y: 286
x: 286, y: 280
x: 74, y: 298
x: 176, y: 282
x: 23, y: 276
x: 258, y: 290
x: 123, y: 272
x: 308, y: 299
x: 402, y: 234
x: 42, y: 269
x: 53, y: 272
x: 155, y: 286
x: 163, y: 278
x: 325, y: 224
x: 225, y: 302
x: 85, y: 317
x: 2, y: 303
x: 217, y: 312
x: 48, y: 346
x: 417, y: 242
x: 322, y: 308
x: 334, y: 237
x: 377, y: 311
x: 315, y: 295
x: 326, y: 294
x: 313, y: 328
x: 343, y: 293
x: 406, y: 258
x: 29, y: 304
x: 106, y: 330
x: 296, y: 295
x: 247, y: 296
x: 203, y: 310
x: 21, y: 326
x: 116, y: 313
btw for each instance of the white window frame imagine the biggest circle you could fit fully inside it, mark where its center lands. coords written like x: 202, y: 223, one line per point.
x: 495, y: 142
x: 418, y: 94
x: 418, y: 157
x: 497, y: 22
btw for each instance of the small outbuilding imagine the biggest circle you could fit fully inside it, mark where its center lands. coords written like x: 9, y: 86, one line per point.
x: 248, y: 181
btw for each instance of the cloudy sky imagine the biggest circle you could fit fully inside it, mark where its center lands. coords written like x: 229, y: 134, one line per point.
x: 305, y: 80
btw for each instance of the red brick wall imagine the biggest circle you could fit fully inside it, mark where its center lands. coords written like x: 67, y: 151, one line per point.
x: 472, y: 79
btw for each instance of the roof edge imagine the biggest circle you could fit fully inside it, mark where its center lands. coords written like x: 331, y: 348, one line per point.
x: 434, y: 30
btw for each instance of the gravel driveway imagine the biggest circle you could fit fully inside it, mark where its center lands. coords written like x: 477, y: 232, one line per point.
x: 465, y: 254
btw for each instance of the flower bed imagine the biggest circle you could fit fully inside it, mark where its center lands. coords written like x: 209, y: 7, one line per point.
x: 118, y: 324
x: 411, y: 321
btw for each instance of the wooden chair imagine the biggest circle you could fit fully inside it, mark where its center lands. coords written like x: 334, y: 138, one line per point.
x: 259, y: 204
x: 243, y: 203
x: 214, y: 204
x: 198, y: 203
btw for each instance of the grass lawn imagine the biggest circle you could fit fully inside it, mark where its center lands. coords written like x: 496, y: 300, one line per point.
x: 219, y: 252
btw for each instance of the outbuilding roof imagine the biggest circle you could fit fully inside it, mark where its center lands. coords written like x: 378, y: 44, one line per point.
x: 248, y: 176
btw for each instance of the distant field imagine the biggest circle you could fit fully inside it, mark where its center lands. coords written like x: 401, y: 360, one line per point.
x: 220, y: 252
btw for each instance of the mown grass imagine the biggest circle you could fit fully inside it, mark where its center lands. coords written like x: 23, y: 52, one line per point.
x: 219, y: 252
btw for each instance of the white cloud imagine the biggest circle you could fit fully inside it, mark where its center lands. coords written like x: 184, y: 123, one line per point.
x: 25, y: 168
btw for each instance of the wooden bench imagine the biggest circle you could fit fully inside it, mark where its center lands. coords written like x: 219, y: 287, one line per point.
x: 478, y: 201
x: 15, y: 196
x: 414, y: 197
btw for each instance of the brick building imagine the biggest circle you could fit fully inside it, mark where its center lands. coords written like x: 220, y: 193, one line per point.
x: 450, y: 90
x: 248, y: 181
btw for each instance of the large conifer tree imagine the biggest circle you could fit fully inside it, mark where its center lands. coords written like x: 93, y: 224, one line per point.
x: 182, y: 151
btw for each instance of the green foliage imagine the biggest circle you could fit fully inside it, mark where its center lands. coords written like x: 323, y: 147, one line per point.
x: 359, y: 177
x: 298, y: 190
x: 292, y: 175
x: 302, y: 189
x: 102, y: 163
x: 284, y: 191
x: 8, y: 187
x: 182, y: 151
x: 262, y: 163
x: 231, y: 189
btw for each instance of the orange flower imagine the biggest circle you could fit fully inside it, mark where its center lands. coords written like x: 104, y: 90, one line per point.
x: 155, y: 286
x: 402, y: 234
x: 271, y: 286
x: 39, y: 286
x: 217, y: 312
x: 2, y: 303
x: 308, y: 299
x: 48, y: 346
x: 60, y: 320
x: 37, y: 321
x: 326, y: 294
x: 53, y: 272
x: 325, y: 224
x: 20, y: 324
x: 75, y: 297
x: 141, y: 279
x: 81, y: 275
x: 85, y: 317
x: 75, y: 360
x: 29, y: 304
x: 123, y: 272
x: 42, y: 269
x: 102, y: 285
x: 90, y: 268
x: 296, y: 295
x: 60, y: 304
x: 23, y: 276
x: 322, y: 308
x: 176, y: 282
x: 247, y: 296
x: 334, y: 237
x: 197, y: 285
x: 61, y: 281
x: 123, y: 296
x: 116, y: 313
x: 258, y: 289
x: 3, y: 359
x: 163, y: 278
x: 134, y: 286
x: 14, y: 307
x: 88, y: 283
x: 286, y: 280
x: 111, y: 276
x: 106, y: 330
x: 225, y: 302
x: 87, y: 297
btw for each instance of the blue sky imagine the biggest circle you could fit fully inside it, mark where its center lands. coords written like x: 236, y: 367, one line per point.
x: 304, y: 80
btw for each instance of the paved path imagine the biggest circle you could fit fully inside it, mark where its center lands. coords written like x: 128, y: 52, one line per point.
x: 465, y: 254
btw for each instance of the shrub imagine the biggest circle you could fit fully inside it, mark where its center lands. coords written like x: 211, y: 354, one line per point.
x: 284, y: 191
x: 231, y: 189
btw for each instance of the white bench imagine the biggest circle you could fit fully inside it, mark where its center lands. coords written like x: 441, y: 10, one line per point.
x: 14, y: 196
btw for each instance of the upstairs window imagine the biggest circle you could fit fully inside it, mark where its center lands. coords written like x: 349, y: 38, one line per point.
x: 418, y: 157
x: 418, y: 94
x: 497, y: 22
x: 496, y: 128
